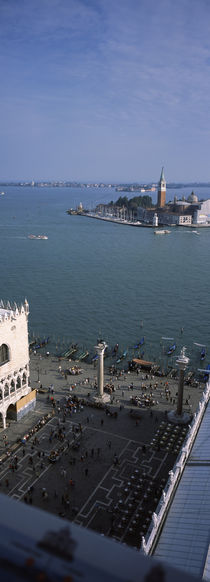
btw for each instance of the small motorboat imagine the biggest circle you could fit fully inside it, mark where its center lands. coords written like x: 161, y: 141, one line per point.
x: 162, y: 231
x: 38, y: 236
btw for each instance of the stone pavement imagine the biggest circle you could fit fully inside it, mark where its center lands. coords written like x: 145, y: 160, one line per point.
x: 111, y: 468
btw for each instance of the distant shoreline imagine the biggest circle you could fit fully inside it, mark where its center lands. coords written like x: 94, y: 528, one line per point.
x: 137, y: 224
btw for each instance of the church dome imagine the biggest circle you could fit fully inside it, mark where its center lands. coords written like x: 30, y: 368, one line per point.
x: 192, y: 198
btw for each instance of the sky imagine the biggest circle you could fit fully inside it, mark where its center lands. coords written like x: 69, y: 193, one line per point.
x: 105, y: 90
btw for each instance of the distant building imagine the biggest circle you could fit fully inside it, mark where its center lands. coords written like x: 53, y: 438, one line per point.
x: 176, y: 213
x: 179, y: 212
x: 161, y: 199
x: 202, y: 212
x: 16, y: 397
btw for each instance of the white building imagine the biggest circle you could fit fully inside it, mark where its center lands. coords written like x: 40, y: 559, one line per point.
x: 16, y: 397
x: 202, y: 213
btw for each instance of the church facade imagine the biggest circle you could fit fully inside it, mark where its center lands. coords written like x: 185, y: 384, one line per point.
x: 178, y: 212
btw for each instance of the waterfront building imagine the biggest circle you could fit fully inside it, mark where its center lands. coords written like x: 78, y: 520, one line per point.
x: 202, y: 213
x: 161, y: 199
x: 16, y: 397
x: 178, y: 212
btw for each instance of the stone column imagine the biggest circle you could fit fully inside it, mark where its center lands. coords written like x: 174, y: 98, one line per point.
x: 182, y: 363
x: 100, y: 349
x: 178, y: 416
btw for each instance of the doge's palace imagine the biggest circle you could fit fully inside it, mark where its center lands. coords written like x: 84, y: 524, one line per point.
x: 16, y: 398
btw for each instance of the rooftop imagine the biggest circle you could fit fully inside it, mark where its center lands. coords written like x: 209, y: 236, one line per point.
x: 185, y: 537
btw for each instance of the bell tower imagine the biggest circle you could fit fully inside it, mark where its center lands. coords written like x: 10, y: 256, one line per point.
x: 161, y: 200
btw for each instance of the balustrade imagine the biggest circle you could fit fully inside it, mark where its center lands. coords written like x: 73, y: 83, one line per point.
x: 176, y: 473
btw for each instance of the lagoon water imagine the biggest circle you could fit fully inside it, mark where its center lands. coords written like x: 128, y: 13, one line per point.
x: 92, y: 278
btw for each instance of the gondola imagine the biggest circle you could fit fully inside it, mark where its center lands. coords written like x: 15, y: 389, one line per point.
x: 115, y: 350
x: 83, y: 356
x: 139, y: 344
x: 171, y: 350
x: 73, y: 350
x: 41, y: 344
x: 122, y: 357
x: 203, y: 350
x: 203, y: 354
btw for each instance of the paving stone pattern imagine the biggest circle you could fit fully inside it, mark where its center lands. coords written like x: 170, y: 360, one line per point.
x: 111, y: 468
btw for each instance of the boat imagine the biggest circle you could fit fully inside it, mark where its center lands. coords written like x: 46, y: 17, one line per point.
x: 171, y: 350
x: 64, y: 355
x: 206, y: 373
x: 122, y: 357
x: 38, y: 236
x: 139, y: 344
x: 203, y: 350
x: 95, y: 357
x: 195, y: 232
x: 162, y: 231
x: 83, y: 355
x: 72, y: 350
x: 115, y: 350
x: 41, y: 344
x: 2, y: 193
x: 32, y: 343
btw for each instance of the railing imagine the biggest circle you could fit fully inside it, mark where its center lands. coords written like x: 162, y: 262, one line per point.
x: 175, y: 474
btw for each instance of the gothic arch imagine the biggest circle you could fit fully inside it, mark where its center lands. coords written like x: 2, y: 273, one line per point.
x: 24, y: 378
x: 11, y: 412
x: 6, y: 390
x: 12, y: 387
x: 4, y: 354
x: 18, y: 383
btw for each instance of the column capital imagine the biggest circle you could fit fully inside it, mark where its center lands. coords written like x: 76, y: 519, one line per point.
x: 100, y: 347
x: 182, y: 360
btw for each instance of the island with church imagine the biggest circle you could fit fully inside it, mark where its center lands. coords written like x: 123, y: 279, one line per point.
x: 140, y: 211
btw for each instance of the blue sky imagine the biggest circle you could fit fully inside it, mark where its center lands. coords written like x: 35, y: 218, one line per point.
x: 105, y: 90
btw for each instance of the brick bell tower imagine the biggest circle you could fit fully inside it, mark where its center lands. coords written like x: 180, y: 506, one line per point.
x: 161, y: 199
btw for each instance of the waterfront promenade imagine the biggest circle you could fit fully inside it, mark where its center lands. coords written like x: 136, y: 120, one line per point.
x: 111, y: 467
